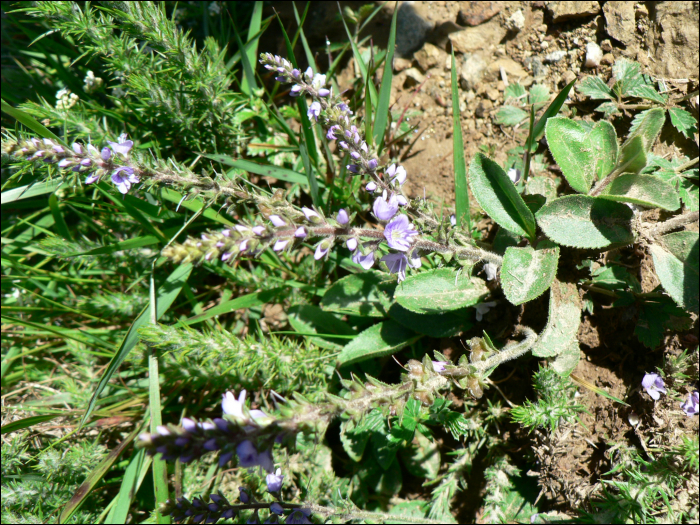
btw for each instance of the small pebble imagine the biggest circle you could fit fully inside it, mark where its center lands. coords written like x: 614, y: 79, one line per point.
x: 594, y: 55
x: 554, y: 56
x: 633, y: 418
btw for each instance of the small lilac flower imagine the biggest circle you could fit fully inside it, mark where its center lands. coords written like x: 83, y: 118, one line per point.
x: 232, y: 406
x: 265, y: 460
x: 124, y: 182
x: 364, y: 149
x: 91, y: 178
x: 243, y: 246
x: 483, y: 308
x: 274, y: 481
x: 188, y: 424
x: 396, y: 263
x: 453, y: 220
x: 355, y: 155
x: 396, y: 174
x: 401, y: 200
x: 77, y: 148
x: 372, y: 164
x: 353, y: 168
x: 258, y: 230
x: 371, y: 187
x: 319, y: 81
x: 300, y: 516
x: 241, y: 228
x: 295, y: 91
x: 439, y: 366
x: 331, y: 132
x: 385, y: 209
x: 276, y: 508
x: 314, y: 110
x: 226, y: 256
x: 277, y: 221
x: 342, y: 217
x: 245, y: 498
x: 414, y: 259
x: 514, y: 175
x: 322, y: 250
x: 351, y: 244
x: 92, y: 150
x: 491, y: 271
x: 366, y: 261
x: 343, y: 144
x: 311, y: 215
x: 323, y: 92
x: 58, y: 149
x: 280, y: 245
x: 690, y: 407
x: 247, y: 454
x: 295, y: 73
x: 398, y: 233
x: 64, y: 163
x: 344, y: 108
x: 654, y: 385
x: 85, y: 162
x: 300, y: 233
x: 123, y: 146
x: 106, y: 153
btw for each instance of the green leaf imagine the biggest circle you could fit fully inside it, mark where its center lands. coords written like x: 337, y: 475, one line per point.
x: 510, y: 116
x: 676, y: 264
x: 361, y: 65
x: 447, y: 324
x: 647, y: 125
x: 381, y: 116
x: 439, y: 290
x: 658, y: 316
x: 632, y: 157
x: 527, y: 273
x: 683, y: 121
x: 364, y: 294
x: 563, y: 322
x: 31, y: 123
x: 595, y: 88
x: 421, y: 457
x: 266, y: 170
x: 566, y: 362
x: 27, y: 422
x: 586, y: 222
x: 458, y: 162
x: 572, y: 149
x: 649, y: 93
x: 239, y: 303
x: 550, y: 112
x: 605, y: 149
x: 628, y: 77
x: 355, y: 438
x: 308, y: 320
x: 645, y: 190
x: 376, y: 341
x: 497, y: 195
x: 167, y: 294
x: 513, y: 91
x: 133, y: 477
x: 31, y: 190
x: 540, y: 185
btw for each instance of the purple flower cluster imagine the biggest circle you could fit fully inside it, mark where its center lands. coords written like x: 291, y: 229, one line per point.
x: 654, y: 385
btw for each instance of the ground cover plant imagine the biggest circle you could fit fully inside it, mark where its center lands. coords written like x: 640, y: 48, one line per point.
x: 221, y: 304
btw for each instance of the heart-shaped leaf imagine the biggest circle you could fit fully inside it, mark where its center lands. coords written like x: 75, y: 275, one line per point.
x: 439, y: 290
x: 527, y: 273
x: 586, y: 222
x: 497, y: 195
x: 570, y: 144
x: 564, y: 320
x: 676, y: 264
x: 645, y: 190
x: 376, y: 341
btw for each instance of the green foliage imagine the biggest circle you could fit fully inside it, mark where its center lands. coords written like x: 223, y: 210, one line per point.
x: 504, y: 501
x: 528, y: 273
x: 440, y: 290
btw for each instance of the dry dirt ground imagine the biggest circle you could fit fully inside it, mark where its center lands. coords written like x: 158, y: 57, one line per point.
x: 497, y: 43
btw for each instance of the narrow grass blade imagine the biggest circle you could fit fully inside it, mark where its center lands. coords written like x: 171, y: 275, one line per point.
x: 30, y: 190
x: 94, y: 477
x: 61, y: 225
x: 27, y: 422
x: 304, y: 43
x: 459, y: 164
x: 166, y: 295
x: 382, y: 114
x: 266, y: 170
x: 310, y: 175
x: 133, y: 476
x: 194, y: 205
x: 253, y: 33
x: 550, y: 112
x: 244, y: 301
x: 370, y: 114
x: 248, y: 84
x: 29, y: 122
x: 361, y: 64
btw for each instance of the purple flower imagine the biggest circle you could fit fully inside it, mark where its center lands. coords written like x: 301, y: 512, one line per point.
x: 265, y: 460
x: 366, y: 261
x: 232, y: 406
x: 654, y: 385
x: 690, y: 407
x: 353, y: 168
x: 323, y: 92
x: 245, y: 498
x: 64, y: 163
x: 124, y: 182
x: 371, y: 187
x: 453, y: 220
x: 106, y: 153
x: 77, y: 148
x: 319, y: 80
x: 314, y: 110
x: 85, y: 162
x: 372, y: 164
x: 483, y: 308
x: 414, y: 259
x: 396, y: 174
x: 300, y: 516
x: 311, y: 215
x: 276, y: 508
x: 91, y: 178
x: 300, y: 233
x: 123, y: 146
x: 396, y: 263
x: 343, y: 144
x: 398, y: 233
x: 258, y: 230
x: 225, y: 458
x: 274, y: 481
x: 247, y: 454
x: 351, y: 244
x: 355, y: 155
x: 385, y: 209
x: 514, y: 175
x: 401, y: 200
x: 344, y: 108
x: 296, y: 90
x: 277, y: 221
x: 331, y: 132
x: 342, y: 217
x: 322, y: 249
x: 280, y: 245
x: 439, y: 366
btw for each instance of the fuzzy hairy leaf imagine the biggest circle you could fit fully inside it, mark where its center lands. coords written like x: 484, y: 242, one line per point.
x: 497, y: 195
x: 676, y: 264
x: 683, y: 121
x: 572, y: 149
x: 655, y: 317
x: 439, y: 290
x: 566, y: 362
x: 633, y: 157
x: 649, y: 93
x: 586, y: 222
x: 527, y: 273
x: 595, y: 88
x: 647, y: 125
x: 563, y: 322
x: 604, y: 143
x: 421, y: 457
x: 645, y: 190
x: 378, y: 340
x: 365, y: 294
x: 540, y: 185
x: 510, y: 116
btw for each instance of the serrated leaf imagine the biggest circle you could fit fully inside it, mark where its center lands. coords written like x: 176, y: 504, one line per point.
x: 510, y: 116
x: 566, y: 362
x: 539, y: 94
x: 605, y: 149
x: 596, y: 89
x: 647, y: 125
x: 683, y: 121
x: 608, y: 109
x: 421, y: 457
x: 308, y: 320
x: 632, y: 158
x: 497, y: 195
x: 628, y: 77
x: 445, y: 324
x: 563, y: 322
x: 355, y: 437
x: 581, y: 221
x: 439, y: 290
x: 649, y: 93
x: 571, y: 147
x: 644, y: 190
x: 364, y: 294
x: 378, y: 340
x: 513, y: 91
x: 527, y: 273
x: 676, y: 265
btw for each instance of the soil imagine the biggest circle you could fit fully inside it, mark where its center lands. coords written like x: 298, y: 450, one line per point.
x: 497, y: 43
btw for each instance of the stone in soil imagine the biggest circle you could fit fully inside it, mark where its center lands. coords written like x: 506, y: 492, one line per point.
x: 563, y: 11
x: 673, y: 39
x: 484, y: 37
x: 619, y: 21
x: 475, y: 13
x: 412, y: 30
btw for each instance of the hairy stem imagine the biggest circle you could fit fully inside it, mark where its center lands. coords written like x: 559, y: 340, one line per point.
x: 676, y: 222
